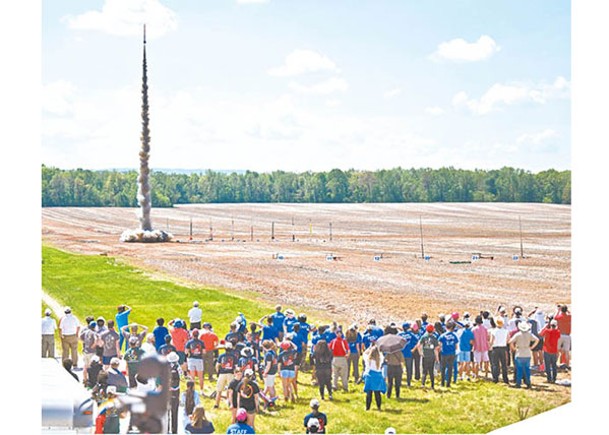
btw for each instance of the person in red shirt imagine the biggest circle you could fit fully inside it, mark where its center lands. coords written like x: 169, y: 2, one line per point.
x: 340, y: 367
x: 551, y: 335
x: 210, y: 339
x: 563, y: 317
x: 179, y: 337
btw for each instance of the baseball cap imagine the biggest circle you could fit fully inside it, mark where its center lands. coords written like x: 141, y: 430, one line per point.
x: 554, y: 322
x: 405, y: 326
x: 429, y: 328
x: 173, y: 357
x: 241, y: 415
x: 314, y: 403
x: 47, y: 312
x: 248, y: 372
x: 111, y: 389
x: 115, y: 361
x: 67, y: 310
x: 313, y: 422
x: 390, y: 430
x: 92, y: 324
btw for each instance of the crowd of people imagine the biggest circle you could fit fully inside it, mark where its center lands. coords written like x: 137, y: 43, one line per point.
x: 245, y: 363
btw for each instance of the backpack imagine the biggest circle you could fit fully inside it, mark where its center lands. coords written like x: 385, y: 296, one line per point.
x: 174, y: 376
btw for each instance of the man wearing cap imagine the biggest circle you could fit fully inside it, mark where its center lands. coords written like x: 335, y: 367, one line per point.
x: 499, y: 355
x: 521, y: 343
x: 428, y: 346
x: 69, y: 330
x: 240, y: 427
x: 551, y: 335
x: 210, y: 340
x: 48, y: 335
x: 322, y: 419
x: 115, y: 377
x: 100, y: 329
x: 179, y: 337
x: 194, y: 316
x: 122, y: 319
x: 133, y: 356
x: 90, y: 340
x: 466, y: 343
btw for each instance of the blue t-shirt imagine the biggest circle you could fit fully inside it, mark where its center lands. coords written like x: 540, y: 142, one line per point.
x: 353, y: 345
x: 304, y: 331
x: 297, y: 340
x: 411, y: 342
x: 122, y: 319
x: 465, y: 340
x: 271, y: 357
x: 288, y: 324
x: 449, y: 342
x: 278, y: 320
x: 315, y: 337
x: 367, y: 339
x: 227, y: 363
x: 269, y: 333
x: 329, y: 336
x: 159, y: 336
x: 287, y: 359
x: 377, y: 331
x: 240, y: 428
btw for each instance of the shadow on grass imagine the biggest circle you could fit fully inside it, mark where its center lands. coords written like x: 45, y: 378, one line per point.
x: 411, y: 400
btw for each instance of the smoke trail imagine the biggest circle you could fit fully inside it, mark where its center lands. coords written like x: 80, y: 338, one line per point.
x: 145, y: 232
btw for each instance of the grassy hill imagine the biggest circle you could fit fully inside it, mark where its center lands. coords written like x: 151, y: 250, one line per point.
x: 95, y: 285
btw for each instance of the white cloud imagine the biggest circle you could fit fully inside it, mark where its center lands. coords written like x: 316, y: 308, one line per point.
x: 538, y: 137
x: 57, y: 97
x: 500, y: 95
x: 460, y: 50
x: 334, y: 84
x: 303, y: 61
x: 126, y: 18
x: 247, y: 2
x: 435, y: 111
x: 392, y: 93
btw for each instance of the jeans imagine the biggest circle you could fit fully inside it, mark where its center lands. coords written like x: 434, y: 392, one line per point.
x: 523, y: 369
x: 394, y: 378
x: 428, y: 364
x: 549, y: 360
x: 416, y: 358
x: 353, y: 361
x: 447, y: 363
x: 408, y: 364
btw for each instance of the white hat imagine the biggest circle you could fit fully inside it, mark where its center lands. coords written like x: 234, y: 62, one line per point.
x: 313, y: 422
x: 314, y: 403
x: 524, y: 326
x: 115, y: 361
x: 47, y: 312
x: 111, y: 389
x: 390, y: 430
x: 195, y: 304
x: 248, y: 372
x: 173, y: 357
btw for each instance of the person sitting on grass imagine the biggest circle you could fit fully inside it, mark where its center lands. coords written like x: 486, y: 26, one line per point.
x: 198, y: 422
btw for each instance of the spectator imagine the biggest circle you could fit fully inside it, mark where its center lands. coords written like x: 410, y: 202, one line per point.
x: 149, y: 346
x: 269, y: 331
x: 132, y: 330
x: 270, y: 368
x: 69, y: 330
x: 116, y: 378
x: 521, y: 345
x: 563, y: 317
x: 227, y: 362
x: 289, y: 321
x: 210, y: 340
x: 190, y: 399
x: 466, y: 343
x: 411, y: 342
x: 167, y: 348
x: 122, y: 319
x: 551, y: 335
x: 175, y: 372
x: 480, y: 347
x: 247, y: 396
x: 198, y: 422
x: 394, y: 363
x: 68, y: 364
x: 428, y: 347
x: 448, y: 349
x: 133, y: 357
x: 322, y: 360
x: 49, y: 325
x: 233, y: 393
x: 374, y: 383
x: 240, y: 427
x: 89, y: 339
x: 340, y: 352
x: 195, y: 349
x: 110, y: 343
x: 100, y: 329
x: 278, y: 317
x: 179, y: 337
x: 354, y: 339
x: 315, y: 421
x: 499, y: 356
x: 286, y: 362
x: 160, y: 331
x: 195, y: 314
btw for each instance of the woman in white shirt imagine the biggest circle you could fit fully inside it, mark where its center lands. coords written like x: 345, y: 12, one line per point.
x: 374, y: 382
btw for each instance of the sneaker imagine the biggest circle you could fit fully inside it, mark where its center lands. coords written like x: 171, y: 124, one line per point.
x: 216, y: 406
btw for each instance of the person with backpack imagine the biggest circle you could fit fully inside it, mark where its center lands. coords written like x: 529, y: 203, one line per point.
x: 175, y: 373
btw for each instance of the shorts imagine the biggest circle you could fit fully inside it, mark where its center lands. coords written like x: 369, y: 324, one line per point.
x: 182, y: 356
x: 539, y: 345
x: 106, y: 359
x: 564, y: 343
x: 481, y: 356
x: 288, y: 374
x: 87, y: 358
x: 195, y: 365
x: 223, y: 381
x: 269, y: 381
x: 464, y: 356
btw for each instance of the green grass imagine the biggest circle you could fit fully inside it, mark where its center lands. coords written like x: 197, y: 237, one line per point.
x: 95, y: 285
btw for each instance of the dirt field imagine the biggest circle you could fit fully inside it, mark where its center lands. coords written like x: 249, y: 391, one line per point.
x: 353, y: 286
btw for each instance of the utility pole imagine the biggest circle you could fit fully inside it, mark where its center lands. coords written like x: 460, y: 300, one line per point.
x: 421, y: 228
x: 190, y: 228
x: 330, y: 231
x: 272, y: 230
x: 521, y: 248
x: 211, y: 231
x: 293, y: 234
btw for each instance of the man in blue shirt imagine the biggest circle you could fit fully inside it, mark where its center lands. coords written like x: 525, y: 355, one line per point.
x: 448, y: 349
x: 466, y: 341
x: 122, y: 319
x: 411, y: 342
x: 160, y: 332
x: 354, y: 339
x: 269, y: 332
x: 377, y: 331
x: 289, y: 321
x: 278, y: 318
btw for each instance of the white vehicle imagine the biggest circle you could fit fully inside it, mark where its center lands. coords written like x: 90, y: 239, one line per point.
x: 67, y: 406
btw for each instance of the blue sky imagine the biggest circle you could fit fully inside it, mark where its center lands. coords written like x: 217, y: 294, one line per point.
x: 308, y: 85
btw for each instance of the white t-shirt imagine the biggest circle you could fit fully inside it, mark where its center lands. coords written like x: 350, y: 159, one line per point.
x: 68, y: 325
x: 500, y: 336
x: 195, y: 314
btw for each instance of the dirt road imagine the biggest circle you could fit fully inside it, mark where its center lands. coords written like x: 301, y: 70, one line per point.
x: 376, y: 270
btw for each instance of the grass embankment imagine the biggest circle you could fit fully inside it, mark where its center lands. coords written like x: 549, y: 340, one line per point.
x: 96, y: 285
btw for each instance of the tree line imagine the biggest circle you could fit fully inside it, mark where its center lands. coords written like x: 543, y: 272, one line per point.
x: 111, y: 188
